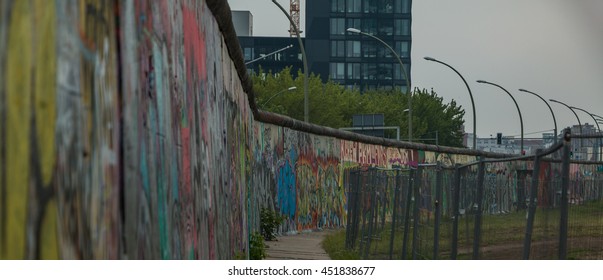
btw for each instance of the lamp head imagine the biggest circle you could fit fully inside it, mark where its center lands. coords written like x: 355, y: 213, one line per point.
x: 292, y: 88
x: 353, y: 30
x: 521, y: 89
x: 482, y: 82
x: 429, y: 58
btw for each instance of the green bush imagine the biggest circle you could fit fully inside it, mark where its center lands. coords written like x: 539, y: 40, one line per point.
x: 257, y: 249
x: 269, y: 222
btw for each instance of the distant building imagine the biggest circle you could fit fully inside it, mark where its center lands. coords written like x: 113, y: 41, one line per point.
x: 585, y: 149
x: 243, y: 23
x: 354, y: 60
x: 255, y: 48
x: 350, y: 59
x: 510, y: 145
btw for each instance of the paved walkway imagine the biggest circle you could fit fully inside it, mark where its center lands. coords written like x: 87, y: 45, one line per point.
x: 303, y: 246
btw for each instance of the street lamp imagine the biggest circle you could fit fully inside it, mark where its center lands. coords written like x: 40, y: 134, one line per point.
x: 579, y: 123
x: 596, y: 123
x: 547, y: 104
x: 569, y: 107
x: 303, y: 50
x: 516, y: 105
x: 264, y: 56
x: 591, y: 115
x: 408, y: 92
x: 287, y: 89
x: 470, y: 95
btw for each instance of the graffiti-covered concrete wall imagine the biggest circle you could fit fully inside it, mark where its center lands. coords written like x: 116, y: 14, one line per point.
x: 59, y: 160
x: 124, y: 132
x: 186, y: 132
x: 301, y: 175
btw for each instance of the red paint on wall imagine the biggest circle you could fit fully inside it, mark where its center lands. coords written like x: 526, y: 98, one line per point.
x: 194, y: 45
x: 186, y: 160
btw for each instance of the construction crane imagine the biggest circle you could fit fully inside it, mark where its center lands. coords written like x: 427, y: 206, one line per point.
x: 294, y: 12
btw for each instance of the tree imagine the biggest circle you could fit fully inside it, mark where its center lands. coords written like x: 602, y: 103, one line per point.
x: 334, y: 106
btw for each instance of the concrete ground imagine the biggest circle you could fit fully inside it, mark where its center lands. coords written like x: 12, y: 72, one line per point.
x: 303, y: 246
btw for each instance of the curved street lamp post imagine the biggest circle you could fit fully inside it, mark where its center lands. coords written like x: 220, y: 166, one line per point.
x: 591, y: 115
x: 470, y: 95
x: 596, y: 123
x: 547, y: 104
x: 516, y: 105
x: 570, y: 107
x: 578, y: 118
x: 408, y: 91
x: 301, y: 47
x: 273, y: 96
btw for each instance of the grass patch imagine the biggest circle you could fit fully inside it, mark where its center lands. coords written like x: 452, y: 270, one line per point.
x: 334, y: 245
x: 502, y: 236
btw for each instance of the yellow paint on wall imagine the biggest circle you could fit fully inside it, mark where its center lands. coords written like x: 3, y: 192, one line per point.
x: 45, y: 85
x: 49, y: 248
x: 45, y: 106
x: 18, y: 90
x: 31, y: 58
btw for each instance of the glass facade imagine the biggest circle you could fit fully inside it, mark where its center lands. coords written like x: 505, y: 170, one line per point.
x: 263, y: 52
x: 360, y: 60
x: 350, y: 59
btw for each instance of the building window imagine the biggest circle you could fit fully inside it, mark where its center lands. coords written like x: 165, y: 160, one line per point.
x: 337, y: 26
x: 338, y: 6
x: 248, y: 54
x: 369, y: 71
x: 353, y: 49
x: 384, y: 71
x: 386, y: 27
x: 369, y: 26
x: 337, y: 48
x: 354, y: 23
x: 386, y: 6
x: 398, y: 74
x: 402, y: 27
x: 370, y: 6
x: 354, y: 71
x: 370, y: 49
x: 383, y: 51
x: 402, y: 6
x: 402, y: 48
x: 354, y: 6
x: 337, y: 71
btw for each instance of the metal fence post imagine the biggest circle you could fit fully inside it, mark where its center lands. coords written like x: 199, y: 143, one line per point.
x: 527, y: 243
x: 415, y: 230
x: 438, y: 211
x: 383, y: 200
x: 478, y: 216
x: 455, y: 211
x: 394, y: 210
x: 407, y: 213
x: 351, y: 197
x: 371, y: 221
x: 352, y: 231
x: 565, y: 173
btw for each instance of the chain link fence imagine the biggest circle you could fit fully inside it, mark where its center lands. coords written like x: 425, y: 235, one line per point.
x: 530, y: 207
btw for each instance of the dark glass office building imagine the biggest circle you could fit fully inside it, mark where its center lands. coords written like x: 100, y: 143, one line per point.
x: 254, y: 48
x: 354, y: 60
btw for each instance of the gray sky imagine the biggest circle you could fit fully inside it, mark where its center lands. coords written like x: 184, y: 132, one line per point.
x: 551, y: 47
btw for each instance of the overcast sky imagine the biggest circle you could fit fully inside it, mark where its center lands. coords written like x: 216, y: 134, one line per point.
x: 551, y: 47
